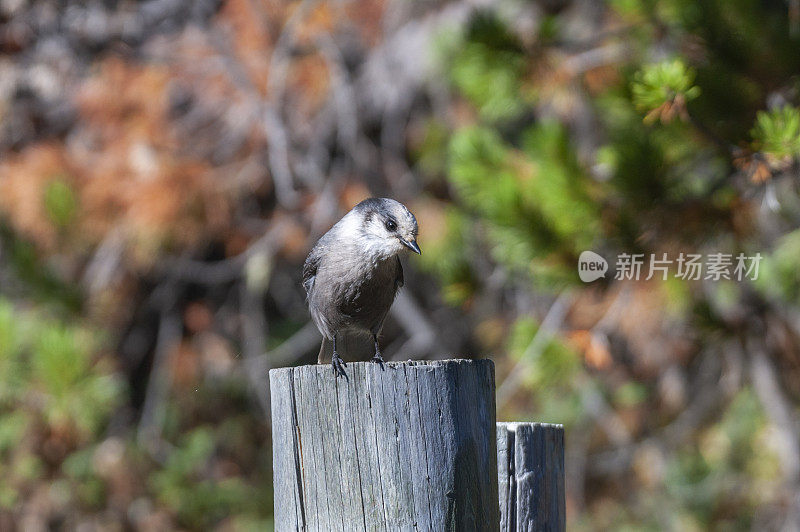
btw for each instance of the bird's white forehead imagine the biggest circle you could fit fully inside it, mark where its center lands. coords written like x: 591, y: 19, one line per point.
x: 380, y: 209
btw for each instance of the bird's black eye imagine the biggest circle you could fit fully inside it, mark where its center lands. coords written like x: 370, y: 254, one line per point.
x: 391, y: 225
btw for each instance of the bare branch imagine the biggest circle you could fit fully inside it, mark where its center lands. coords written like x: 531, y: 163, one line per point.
x: 153, y: 411
x: 550, y: 324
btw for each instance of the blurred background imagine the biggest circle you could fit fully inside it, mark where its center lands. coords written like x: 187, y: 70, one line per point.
x: 166, y: 165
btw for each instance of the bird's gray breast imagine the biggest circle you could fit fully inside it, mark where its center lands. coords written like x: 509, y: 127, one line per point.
x: 355, y: 294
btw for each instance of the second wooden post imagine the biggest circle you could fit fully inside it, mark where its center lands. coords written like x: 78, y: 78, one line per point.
x: 530, y: 474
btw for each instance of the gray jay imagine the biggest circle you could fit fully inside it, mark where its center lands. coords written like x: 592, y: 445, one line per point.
x: 353, y: 272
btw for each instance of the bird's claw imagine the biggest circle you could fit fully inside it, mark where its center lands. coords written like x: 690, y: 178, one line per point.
x: 378, y: 359
x: 338, y: 366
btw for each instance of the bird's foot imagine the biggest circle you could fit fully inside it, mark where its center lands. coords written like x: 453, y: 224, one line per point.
x: 338, y: 366
x: 378, y: 359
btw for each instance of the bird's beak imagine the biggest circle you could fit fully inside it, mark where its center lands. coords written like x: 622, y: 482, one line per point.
x: 412, y: 246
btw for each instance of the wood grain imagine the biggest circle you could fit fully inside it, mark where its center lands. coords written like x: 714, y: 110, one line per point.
x: 530, y: 474
x: 408, y: 447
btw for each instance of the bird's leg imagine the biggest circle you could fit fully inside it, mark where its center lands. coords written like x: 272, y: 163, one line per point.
x: 377, y: 358
x: 337, y: 363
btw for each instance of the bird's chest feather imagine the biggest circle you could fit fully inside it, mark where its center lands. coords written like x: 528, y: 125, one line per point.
x: 367, y: 288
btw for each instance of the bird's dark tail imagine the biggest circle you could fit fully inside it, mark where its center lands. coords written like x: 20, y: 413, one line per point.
x: 351, y: 346
x: 325, y: 351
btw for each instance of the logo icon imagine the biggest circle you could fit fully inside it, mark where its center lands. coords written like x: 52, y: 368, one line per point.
x: 591, y: 266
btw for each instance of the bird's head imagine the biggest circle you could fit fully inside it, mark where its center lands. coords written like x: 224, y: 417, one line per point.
x: 387, y: 226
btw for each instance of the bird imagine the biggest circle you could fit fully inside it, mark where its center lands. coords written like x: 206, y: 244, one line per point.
x: 353, y: 272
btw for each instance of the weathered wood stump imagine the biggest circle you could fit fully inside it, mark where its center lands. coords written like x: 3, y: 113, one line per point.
x: 408, y: 447
x: 530, y: 471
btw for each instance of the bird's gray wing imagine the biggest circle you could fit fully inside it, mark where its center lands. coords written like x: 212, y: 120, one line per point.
x: 398, y: 280
x: 310, y: 269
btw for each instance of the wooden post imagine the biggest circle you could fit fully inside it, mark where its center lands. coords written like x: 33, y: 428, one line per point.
x: 530, y: 471
x: 408, y: 447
